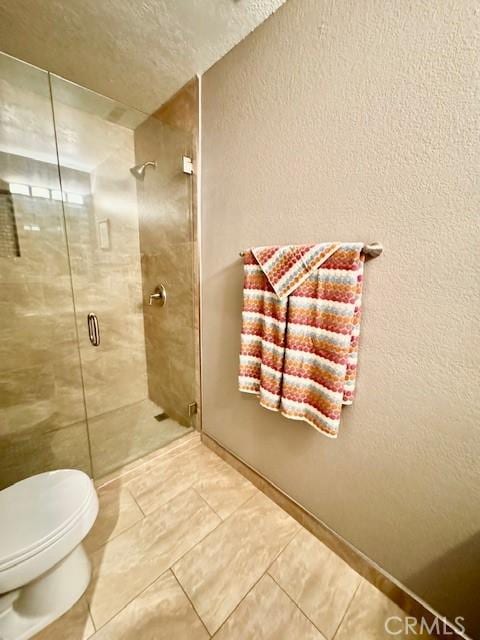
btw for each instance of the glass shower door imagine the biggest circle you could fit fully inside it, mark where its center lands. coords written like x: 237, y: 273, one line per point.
x: 42, y: 412
x: 123, y: 232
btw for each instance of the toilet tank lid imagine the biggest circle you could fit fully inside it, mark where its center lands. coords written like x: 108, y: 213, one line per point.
x: 36, y: 510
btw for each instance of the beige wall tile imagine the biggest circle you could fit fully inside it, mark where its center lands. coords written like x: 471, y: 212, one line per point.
x: 132, y: 560
x: 43, y: 386
x: 42, y: 449
x: 161, y: 612
x: 267, y: 613
x: 113, y: 378
x: 166, y: 232
x: 320, y: 582
x: 181, y: 110
x: 219, y: 571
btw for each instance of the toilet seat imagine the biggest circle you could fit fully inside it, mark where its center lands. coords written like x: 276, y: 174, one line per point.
x: 43, y: 518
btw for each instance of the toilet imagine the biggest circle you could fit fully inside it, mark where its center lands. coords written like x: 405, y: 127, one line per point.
x: 44, y: 568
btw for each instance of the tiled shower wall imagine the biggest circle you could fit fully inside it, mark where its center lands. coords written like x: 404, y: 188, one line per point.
x: 42, y: 410
x: 167, y: 242
x: 62, y: 273
x: 41, y: 386
x: 42, y: 413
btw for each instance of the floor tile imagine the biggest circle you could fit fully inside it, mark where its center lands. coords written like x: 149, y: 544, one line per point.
x: 133, y: 469
x: 164, y: 479
x: 267, y: 613
x: 117, y: 512
x: 128, y: 433
x: 219, y: 571
x: 320, y: 582
x: 223, y: 488
x: 368, y: 616
x: 134, y: 559
x: 161, y: 612
x: 76, y: 624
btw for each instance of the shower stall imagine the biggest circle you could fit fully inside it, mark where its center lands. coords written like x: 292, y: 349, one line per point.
x: 98, y: 297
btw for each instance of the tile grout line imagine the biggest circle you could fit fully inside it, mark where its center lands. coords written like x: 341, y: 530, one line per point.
x: 284, y: 548
x: 198, y: 445
x: 140, y: 593
x: 169, y: 568
x: 190, y: 601
x: 177, y: 560
x: 143, y: 468
x: 236, y: 508
x: 161, y: 455
x: 91, y: 618
x: 147, y: 515
x: 201, y: 539
x: 221, y: 521
x: 136, y: 502
x: 192, y: 487
x: 92, y: 552
x: 346, y: 609
x: 297, y: 606
x: 237, y: 605
x: 257, y: 581
x: 137, y: 465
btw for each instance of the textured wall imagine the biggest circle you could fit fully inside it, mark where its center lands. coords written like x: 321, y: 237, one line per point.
x: 136, y: 52
x: 359, y: 121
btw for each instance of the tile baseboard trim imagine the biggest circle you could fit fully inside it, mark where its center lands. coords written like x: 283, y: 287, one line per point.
x: 412, y: 604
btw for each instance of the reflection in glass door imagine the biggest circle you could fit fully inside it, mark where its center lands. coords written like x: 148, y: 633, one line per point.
x: 128, y: 233
x: 95, y: 217
x: 42, y: 413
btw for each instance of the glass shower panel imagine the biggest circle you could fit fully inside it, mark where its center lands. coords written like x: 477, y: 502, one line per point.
x: 42, y: 412
x: 167, y: 248
x: 105, y: 206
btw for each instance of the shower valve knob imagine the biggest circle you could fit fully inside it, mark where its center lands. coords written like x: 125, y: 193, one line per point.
x: 159, y: 295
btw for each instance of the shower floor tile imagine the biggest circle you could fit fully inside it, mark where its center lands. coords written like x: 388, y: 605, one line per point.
x: 125, y: 434
x: 185, y: 548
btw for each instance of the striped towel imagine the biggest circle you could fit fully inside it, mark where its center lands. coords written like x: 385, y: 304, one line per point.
x: 300, y: 327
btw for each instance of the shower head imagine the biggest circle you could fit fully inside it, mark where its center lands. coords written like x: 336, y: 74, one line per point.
x: 138, y: 171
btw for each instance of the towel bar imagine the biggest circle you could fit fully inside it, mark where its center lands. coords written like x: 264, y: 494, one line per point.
x: 372, y: 250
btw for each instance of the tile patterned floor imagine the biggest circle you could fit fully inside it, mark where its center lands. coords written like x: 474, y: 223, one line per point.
x: 185, y: 548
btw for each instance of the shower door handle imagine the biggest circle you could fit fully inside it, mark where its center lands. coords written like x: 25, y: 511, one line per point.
x: 93, y: 329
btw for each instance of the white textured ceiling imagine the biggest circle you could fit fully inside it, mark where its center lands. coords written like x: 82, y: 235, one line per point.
x: 136, y: 51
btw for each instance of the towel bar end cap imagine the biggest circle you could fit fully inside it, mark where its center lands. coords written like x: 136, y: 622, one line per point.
x: 373, y: 249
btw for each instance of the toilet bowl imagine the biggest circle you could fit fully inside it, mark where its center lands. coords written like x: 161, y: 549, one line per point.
x: 44, y: 569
